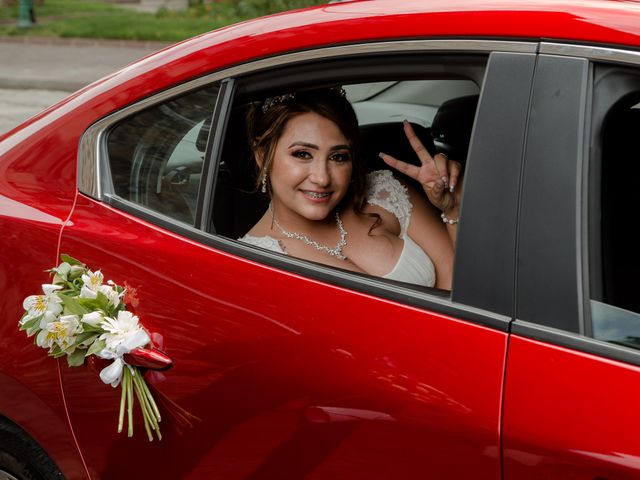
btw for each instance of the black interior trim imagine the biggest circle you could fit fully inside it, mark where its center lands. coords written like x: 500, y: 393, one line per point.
x: 362, y: 68
x: 217, y: 132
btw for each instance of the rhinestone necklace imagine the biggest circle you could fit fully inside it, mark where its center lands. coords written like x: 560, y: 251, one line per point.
x: 335, y: 251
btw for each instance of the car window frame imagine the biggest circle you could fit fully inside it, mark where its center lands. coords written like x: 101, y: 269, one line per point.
x: 538, y: 317
x: 92, y: 179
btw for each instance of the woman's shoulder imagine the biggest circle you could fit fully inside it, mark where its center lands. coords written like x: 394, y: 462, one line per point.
x: 384, y: 183
x: 265, y: 242
x: 387, y: 192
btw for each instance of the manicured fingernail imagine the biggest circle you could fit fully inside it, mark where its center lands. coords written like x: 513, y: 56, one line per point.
x: 381, y: 155
x: 451, y: 188
x: 445, y: 180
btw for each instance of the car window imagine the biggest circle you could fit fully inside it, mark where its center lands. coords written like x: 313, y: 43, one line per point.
x: 156, y: 155
x: 441, y: 111
x: 615, y: 303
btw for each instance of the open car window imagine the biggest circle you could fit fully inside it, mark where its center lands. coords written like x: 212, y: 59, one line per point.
x: 440, y: 105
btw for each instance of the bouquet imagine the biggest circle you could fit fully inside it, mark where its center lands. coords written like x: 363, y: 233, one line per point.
x: 78, y: 315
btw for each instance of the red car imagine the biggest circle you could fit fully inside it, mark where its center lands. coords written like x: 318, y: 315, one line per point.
x: 528, y: 368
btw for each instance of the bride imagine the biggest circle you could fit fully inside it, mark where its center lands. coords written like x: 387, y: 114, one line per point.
x: 324, y: 206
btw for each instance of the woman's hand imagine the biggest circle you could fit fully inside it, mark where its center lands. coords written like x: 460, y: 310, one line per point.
x: 438, y: 175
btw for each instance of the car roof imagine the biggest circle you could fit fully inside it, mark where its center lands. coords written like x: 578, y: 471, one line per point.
x: 602, y: 22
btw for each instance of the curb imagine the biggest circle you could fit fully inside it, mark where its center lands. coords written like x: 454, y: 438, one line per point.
x: 68, y: 86
x: 84, y: 42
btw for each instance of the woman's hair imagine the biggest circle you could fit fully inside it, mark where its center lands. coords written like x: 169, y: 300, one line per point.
x: 267, y: 120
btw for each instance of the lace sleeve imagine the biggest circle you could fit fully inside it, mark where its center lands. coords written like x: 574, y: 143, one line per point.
x: 387, y: 192
x: 267, y: 242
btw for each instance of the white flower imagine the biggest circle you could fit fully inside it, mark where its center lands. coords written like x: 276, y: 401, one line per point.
x: 61, y: 332
x: 122, y: 335
x: 86, y: 292
x: 48, y: 317
x: 111, y: 293
x: 92, y: 280
x: 37, y: 305
x: 93, y: 318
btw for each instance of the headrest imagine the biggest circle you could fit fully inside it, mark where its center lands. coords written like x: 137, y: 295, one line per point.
x: 390, y: 139
x: 451, y: 127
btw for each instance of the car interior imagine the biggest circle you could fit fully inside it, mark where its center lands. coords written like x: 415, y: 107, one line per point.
x: 619, y: 190
x: 238, y: 202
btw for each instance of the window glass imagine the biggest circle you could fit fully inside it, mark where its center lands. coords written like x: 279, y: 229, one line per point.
x: 156, y: 156
x: 615, y: 303
x: 440, y: 110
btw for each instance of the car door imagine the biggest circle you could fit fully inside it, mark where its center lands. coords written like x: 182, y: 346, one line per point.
x: 572, y: 375
x: 284, y: 368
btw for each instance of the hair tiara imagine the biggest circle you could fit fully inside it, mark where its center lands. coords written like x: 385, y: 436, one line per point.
x: 278, y: 99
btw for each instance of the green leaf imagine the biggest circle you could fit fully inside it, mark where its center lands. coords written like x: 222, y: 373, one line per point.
x: 90, y: 304
x: 96, y: 347
x: 76, y: 358
x: 103, y: 302
x: 72, y: 306
x: 91, y: 329
x: 29, y: 325
x: 34, y: 330
x: 70, y: 260
x: 57, y: 352
x: 83, y: 337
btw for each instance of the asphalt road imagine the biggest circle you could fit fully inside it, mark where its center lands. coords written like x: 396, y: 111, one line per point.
x: 18, y: 105
x: 35, y: 73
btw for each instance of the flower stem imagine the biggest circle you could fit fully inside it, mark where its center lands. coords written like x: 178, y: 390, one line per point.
x: 123, y: 396
x: 149, y: 396
x: 148, y: 422
x: 127, y: 375
x: 151, y: 414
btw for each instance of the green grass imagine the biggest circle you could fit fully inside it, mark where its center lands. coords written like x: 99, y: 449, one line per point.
x: 98, y: 19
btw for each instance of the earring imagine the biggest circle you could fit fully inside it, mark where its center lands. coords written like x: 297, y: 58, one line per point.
x: 264, y: 184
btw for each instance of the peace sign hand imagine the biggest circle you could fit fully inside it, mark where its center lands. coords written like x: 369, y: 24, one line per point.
x: 438, y: 175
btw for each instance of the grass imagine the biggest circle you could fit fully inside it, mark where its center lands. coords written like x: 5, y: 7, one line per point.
x: 99, y: 19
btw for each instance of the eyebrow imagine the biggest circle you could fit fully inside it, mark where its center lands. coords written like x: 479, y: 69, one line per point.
x: 315, y: 147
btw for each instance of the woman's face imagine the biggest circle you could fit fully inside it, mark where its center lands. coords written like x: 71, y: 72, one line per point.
x: 311, y: 169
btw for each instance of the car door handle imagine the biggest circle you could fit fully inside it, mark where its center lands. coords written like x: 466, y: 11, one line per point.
x: 152, y: 359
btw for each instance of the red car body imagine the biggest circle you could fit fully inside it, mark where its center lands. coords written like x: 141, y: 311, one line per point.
x: 292, y: 375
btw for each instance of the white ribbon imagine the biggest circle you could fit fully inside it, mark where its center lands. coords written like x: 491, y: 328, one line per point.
x: 112, y: 375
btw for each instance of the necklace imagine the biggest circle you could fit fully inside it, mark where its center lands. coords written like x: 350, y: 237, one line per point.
x: 335, y: 251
